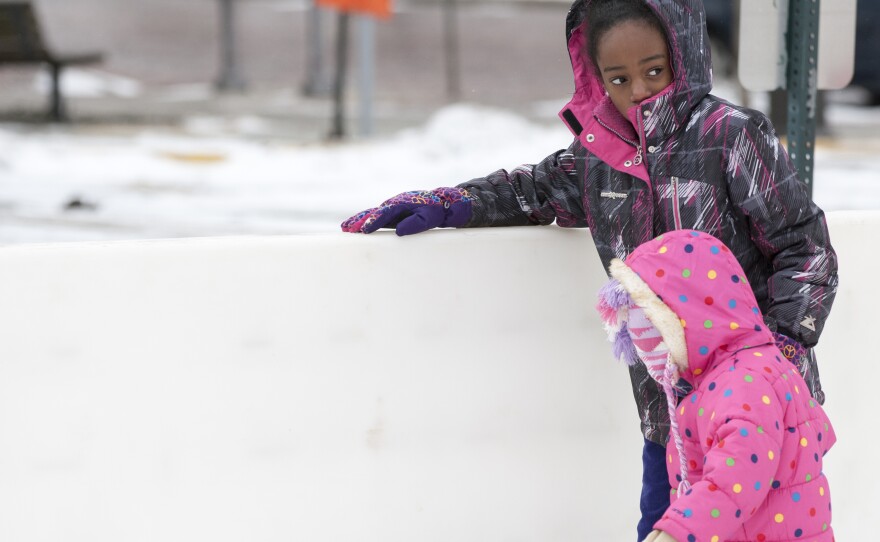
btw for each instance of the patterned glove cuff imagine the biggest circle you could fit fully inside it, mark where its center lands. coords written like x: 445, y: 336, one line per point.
x: 790, y: 348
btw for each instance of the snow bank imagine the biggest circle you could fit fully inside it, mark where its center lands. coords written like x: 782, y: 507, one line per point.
x: 159, y: 184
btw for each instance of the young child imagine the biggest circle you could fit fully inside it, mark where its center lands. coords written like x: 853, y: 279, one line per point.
x: 653, y: 152
x: 745, y: 457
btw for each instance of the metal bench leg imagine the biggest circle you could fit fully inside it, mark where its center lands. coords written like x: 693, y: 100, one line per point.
x: 56, y: 112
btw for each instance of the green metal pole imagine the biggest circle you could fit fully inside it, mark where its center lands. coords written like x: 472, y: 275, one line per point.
x: 801, y: 79
x: 230, y: 78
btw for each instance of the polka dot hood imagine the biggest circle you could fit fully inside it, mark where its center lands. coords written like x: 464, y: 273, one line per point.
x: 695, y: 292
x: 746, y: 439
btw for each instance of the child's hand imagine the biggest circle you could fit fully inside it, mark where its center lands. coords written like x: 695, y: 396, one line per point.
x: 415, y: 212
x: 659, y: 536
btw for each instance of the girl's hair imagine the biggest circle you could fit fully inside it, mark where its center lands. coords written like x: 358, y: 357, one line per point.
x: 603, y: 15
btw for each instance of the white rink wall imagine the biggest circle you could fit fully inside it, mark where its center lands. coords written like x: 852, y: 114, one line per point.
x: 451, y: 386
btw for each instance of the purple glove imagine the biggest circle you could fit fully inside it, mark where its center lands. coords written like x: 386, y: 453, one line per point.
x: 415, y: 212
x: 790, y: 348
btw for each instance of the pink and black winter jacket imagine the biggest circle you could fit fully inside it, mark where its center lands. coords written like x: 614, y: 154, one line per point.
x: 745, y: 460
x: 705, y: 164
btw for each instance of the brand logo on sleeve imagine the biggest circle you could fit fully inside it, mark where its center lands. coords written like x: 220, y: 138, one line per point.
x: 809, y: 322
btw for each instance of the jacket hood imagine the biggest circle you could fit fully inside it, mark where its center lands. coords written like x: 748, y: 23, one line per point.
x: 691, y: 60
x: 696, y: 294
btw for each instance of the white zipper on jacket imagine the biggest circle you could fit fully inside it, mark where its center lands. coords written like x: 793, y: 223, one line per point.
x: 637, y: 160
x: 676, y: 213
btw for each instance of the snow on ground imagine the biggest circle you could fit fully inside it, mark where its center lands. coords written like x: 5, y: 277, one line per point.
x: 89, y: 84
x: 71, y: 185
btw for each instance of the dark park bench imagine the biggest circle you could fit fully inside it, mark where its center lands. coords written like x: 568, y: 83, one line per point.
x: 21, y: 42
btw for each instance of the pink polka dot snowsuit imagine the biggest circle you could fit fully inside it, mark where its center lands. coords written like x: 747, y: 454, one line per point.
x: 753, y: 438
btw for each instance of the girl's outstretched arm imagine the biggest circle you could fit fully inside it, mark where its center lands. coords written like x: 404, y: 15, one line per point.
x: 534, y: 194
x: 530, y: 194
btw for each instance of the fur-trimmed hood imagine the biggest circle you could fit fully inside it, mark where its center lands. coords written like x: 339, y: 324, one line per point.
x: 749, y: 417
x: 695, y: 293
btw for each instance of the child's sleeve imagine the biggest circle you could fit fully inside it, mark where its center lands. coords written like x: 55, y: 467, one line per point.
x: 788, y: 228
x: 738, y: 467
x: 534, y: 194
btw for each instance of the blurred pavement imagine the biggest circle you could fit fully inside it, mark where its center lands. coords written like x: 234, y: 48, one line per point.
x: 154, y: 150
x: 162, y: 58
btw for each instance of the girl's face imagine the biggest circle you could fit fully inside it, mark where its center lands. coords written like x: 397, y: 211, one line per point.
x: 633, y: 61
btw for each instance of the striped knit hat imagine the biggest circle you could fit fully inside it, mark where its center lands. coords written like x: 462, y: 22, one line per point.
x: 636, y: 339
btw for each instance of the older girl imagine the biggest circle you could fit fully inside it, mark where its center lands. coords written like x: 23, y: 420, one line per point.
x: 653, y: 151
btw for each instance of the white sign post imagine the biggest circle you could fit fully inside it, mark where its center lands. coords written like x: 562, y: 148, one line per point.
x: 763, y: 54
x: 800, y: 46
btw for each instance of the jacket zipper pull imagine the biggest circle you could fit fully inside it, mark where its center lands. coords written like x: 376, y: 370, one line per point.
x: 638, y: 159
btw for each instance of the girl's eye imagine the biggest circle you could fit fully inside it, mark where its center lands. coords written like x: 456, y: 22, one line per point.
x: 617, y: 81
x: 655, y: 71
